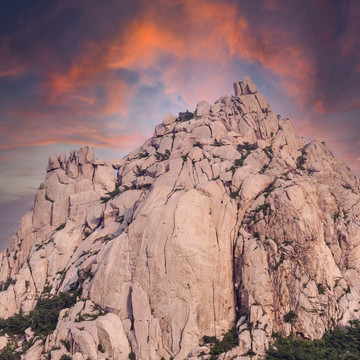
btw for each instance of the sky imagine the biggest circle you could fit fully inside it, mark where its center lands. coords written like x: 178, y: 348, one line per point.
x: 76, y: 72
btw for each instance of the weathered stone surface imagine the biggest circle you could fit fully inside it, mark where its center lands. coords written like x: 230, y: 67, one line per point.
x: 247, y: 86
x: 62, y: 159
x: 250, y: 104
x: 104, y: 178
x: 264, y: 105
x: 112, y: 337
x: 72, y: 170
x: 215, y: 108
x: 34, y: 352
x: 29, y: 334
x: 202, y: 132
x: 196, y: 154
x: 202, y: 108
x: 53, y: 163
x: 218, y: 130
x: 159, y: 130
x: 237, y: 88
x: 228, y: 213
x: 86, y: 155
x: 3, y: 341
x: 168, y: 119
x: 115, y: 163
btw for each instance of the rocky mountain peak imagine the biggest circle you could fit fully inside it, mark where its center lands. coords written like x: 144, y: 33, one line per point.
x: 225, y: 221
x: 245, y: 87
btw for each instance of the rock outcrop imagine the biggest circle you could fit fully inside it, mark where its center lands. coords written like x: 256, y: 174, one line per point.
x: 224, y: 218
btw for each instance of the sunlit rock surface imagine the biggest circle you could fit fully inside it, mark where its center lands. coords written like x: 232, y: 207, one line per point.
x: 225, y: 217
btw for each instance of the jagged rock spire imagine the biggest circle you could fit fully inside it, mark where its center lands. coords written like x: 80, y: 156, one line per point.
x: 245, y: 87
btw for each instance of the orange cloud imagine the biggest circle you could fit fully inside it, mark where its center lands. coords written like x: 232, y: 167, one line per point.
x: 145, y: 41
x: 10, y: 65
x: 121, y: 142
x: 219, y: 34
x: 77, y: 89
x: 14, y: 71
x: 143, y: 45
x: 191, y: 46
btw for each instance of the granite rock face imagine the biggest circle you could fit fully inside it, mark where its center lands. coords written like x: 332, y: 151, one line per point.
x: 226, y: 218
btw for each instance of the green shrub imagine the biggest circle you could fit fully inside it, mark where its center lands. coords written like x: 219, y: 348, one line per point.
x: 46, y: 313
x: 300, y: 161
x: 111, y: 194
x: 163, y: 157
x: 229, y: 341
x: 143, y: 155
x: 245, y: 150
x: 43, y: 318
x: 185, y: 116
x: 5, y: 285
x: 89, y: 317
x: 209, y: 339
x: 138, y: 171
x: 264, y: 168
x: 290, y: 316
x: 339, y: 344
x: 15, y: 325
x: 60, y: 227
x: 239, y: 162
x: 287, y: 242
x: 65, y: 357
x: 250, y: 353
x: 321, y: 289
x: 47, y: 289
x: 217, y: 143
x: 132, y: 356
x: 269, y: 152
x: 336, y: 216
x: 48, y: 199
x: 234, y: 194
x: 269, y: 190
x: 9, y: 353
x: 87, y: 233
x: 281, y: 260
x: 265, y: 208
x: 245, y: 147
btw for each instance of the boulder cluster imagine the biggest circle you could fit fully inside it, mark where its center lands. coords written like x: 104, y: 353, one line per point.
x: 225, y: 220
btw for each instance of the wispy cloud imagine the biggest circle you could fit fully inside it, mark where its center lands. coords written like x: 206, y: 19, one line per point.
x: 86, y: 72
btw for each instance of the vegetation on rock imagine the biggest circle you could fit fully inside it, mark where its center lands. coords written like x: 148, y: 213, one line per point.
x: 229, y: 341
x: 43, y: 318
x: 339, y: 344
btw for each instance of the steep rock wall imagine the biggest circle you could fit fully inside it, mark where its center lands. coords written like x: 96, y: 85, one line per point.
x: 224, y: 218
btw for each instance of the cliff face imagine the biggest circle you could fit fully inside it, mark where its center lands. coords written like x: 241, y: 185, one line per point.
x: 224, y: 218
